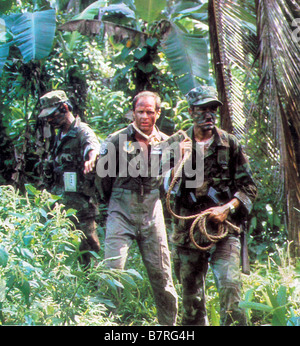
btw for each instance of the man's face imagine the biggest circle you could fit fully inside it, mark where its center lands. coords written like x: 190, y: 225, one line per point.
x: 145, y: 114
x: 204, y: 116
x: 56, y: 119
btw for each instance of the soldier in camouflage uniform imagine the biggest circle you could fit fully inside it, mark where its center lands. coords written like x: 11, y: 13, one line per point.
x: 69, y: 170
x: 135, y: 211
x: 227, y: 174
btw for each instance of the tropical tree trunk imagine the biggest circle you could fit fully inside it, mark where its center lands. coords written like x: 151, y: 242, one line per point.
x: 279, y: 58
x: 219, y: 63
x: 279, y: 88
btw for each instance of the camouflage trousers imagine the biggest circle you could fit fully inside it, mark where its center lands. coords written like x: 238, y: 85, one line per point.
x: 191, y: 268
x: 85, y: 221
x: 140, y: 218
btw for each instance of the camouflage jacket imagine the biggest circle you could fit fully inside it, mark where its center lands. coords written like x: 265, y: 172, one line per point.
x: 68, y: 155
x: 226, y: 169
x: 132, y: 166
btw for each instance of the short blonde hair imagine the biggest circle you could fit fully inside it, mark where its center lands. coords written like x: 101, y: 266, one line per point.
x: 147, y: 94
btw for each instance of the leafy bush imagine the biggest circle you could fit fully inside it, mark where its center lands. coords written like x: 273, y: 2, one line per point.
x: 272, y: 292
x: 41, y: 281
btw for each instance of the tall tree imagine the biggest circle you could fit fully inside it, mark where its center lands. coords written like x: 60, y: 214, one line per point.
x: 279, y: 58
x: 233, y: 39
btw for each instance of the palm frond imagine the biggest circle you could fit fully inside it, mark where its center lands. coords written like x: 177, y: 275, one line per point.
x: 235, y: 43
x: 232, y: 34
x: 279, y: 57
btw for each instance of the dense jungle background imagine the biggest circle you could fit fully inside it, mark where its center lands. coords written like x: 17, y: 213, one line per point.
x: 102, y: 53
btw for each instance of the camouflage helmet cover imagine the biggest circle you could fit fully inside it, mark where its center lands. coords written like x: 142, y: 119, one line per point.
x: 203, y: 95
x: 51, y: 101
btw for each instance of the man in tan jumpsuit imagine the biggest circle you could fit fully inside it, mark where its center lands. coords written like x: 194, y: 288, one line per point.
x: 129, y: 180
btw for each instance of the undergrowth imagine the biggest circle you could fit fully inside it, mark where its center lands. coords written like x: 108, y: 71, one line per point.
x: 42, y: 282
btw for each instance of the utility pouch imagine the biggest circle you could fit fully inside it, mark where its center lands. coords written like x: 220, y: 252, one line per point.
x: 70, y: 181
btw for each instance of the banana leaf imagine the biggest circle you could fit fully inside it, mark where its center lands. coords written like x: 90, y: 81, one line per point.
x: 5, y: 42
x: 150, y: 10
x: 34, y: 33
x: 119, y: 13
x: 4, y: 51
x: 188, y: 58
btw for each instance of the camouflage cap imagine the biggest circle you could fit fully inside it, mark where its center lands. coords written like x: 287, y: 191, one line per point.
x: 51, y: 101
x: 203, y: 95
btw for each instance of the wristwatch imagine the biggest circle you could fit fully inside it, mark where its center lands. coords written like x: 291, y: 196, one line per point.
x: 231, y: 208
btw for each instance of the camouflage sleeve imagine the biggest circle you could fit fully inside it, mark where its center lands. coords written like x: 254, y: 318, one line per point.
x: 88, y: 141
x: 104, y: 181
x: 47, y: 177
x: 245, y: 187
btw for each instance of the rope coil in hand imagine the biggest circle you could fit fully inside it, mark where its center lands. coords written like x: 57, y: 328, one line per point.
x: 200, y: 219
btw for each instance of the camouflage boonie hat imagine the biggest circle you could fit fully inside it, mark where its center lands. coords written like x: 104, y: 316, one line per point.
x: 51, y: 101
x: 203, y: 95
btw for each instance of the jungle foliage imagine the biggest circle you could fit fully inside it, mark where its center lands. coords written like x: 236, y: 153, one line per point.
x: 101, y: 53
x: 42, y: 283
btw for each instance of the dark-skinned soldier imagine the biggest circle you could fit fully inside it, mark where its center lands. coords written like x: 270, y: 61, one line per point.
x: 227, y: 192
x: 69, y: 171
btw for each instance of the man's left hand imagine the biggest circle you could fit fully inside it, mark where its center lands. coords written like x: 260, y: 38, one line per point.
x: 218, y: 214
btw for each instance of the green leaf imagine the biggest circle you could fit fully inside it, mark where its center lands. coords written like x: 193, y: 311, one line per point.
x: 34, y: 33
x: 188, y: 58
x: 151, y: 41
x: 255, y: 306
x: 272, y: 298
x: 26, y: 253
x: 10, y: 281
x: 43, y: 212
x: 282, y: 296
x: 120, y: 13
x: 71, y: 212
x: 140, y: 53
x: 279, y: 318
x: 3, y: 257
x: 91, y: 11
x: 54, y: 198
x: 4, y: 51
x: 146, y: 68
x: 32, y: 190
x: 5, y: 33
x: 149, y: 10
x: 2, y: 290
x: 134, y: 273
x: 24, y: 287
x: 113, y: 283
x: 215, y: 318
x: 128, y: 279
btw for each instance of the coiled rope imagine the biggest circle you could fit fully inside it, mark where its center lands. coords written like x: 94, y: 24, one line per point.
x: 200, y: 219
